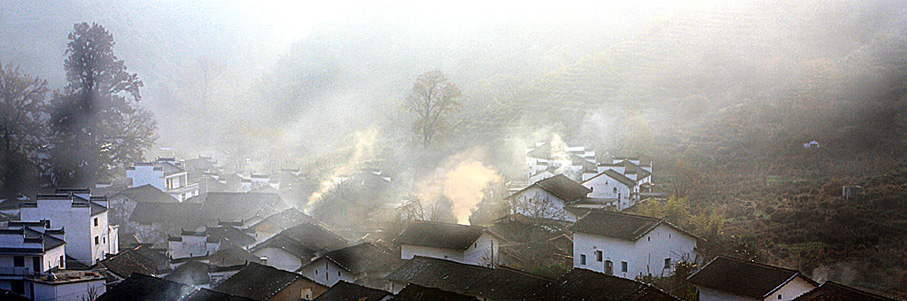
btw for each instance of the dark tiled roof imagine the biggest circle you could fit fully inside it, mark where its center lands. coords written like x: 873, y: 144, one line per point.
x: 314, y: 237
x: 563, y: 187
x: 230, y: 235
x: 501, y: 283
x: 615, y: 224
x: 258, y: 282
x: 232, y: 256
x: 143, y: 287
x: 362, y: 257
x: 192, y: 273
x: 582, y: 284
x: 128, y: 262
x: 97, y: 209
x: 282, y: 220
x: 345, y: 291
x: 414, y: 292
x: 166, y: 213
x: 238, y: 206
x: 830, y: 291
x: 146, y: 193
x: 743, y: 278
x: 541, y: 152
x: 440, y: 235
x: 289, y: 245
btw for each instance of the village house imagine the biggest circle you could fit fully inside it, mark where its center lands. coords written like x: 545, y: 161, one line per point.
x: 351, y: 264
x: 164, y: 174
x: 262, y: 282
x: 629, y: 246
x: 548, y: 159
x: 726, y: 278
x: 296, y: 246
x: 29, y: 249
x: 208, y: 240
x: 546, y: 199
x: 202, y: 274
x: 619, y: 184
x: 89, y: 237
x: 460, y: 243
x: 278, y: 222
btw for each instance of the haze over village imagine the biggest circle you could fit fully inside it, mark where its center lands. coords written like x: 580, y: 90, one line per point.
x: 402, y: 150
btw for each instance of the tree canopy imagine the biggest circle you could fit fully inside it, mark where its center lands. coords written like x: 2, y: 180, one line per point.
x: 432, y: 99
x: 22, y: 99
x: 96, y: 121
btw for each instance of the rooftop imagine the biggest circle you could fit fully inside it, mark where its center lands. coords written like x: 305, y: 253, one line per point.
x: 744, y: 278
x: 259, y: 282
x: 440, y: 235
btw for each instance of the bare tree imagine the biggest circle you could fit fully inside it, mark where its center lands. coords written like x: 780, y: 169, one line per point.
x: 22, y: 100
x: 432, y: 99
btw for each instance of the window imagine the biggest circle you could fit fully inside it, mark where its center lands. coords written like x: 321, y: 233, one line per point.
x: 97, y: 240
x: 649, y: 238
x: 623, y: 266
x: 307, y: 294
x: 62, y: 262
x: 104, y: 240
x: 615, y: 189
x: 667, y: 263
x: 598, y: 256
x: 338, y: 273
x: 609, y: 268
x: 316, y: 272
x: 18, y: 261
x: 582, y: 259
x: 96, y: 222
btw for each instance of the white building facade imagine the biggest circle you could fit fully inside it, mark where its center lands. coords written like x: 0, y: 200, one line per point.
x: 163, y: 175
x: 88, y: 235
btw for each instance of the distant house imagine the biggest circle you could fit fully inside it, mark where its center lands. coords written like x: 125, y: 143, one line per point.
x: 344, y: 291
x: 202, y: 274
x: 829, y: 291
x: 460, y: 243
x: 261, y: 282
x: 164, y: 174
x: 581, y: 284
x: 547, y: 198
x: 549, y: 158
x: 612, y: 185
x: 239, y: 206
x: 144, y: 287
x: 291, y: 248
x: 726, y: 278
x: 628, y: 246
x: 153, y: 222
x: 351, y: 264
x: 811, y: 144
x: 89, y: 237
x: 485, y: 283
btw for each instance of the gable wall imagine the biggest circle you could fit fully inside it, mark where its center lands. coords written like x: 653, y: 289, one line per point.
x: 791, y: 290
x: 644, y: 256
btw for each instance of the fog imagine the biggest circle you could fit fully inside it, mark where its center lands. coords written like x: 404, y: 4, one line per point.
x: 716, y: 93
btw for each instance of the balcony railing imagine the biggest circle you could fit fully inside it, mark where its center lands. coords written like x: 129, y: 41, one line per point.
x: 17, y: 271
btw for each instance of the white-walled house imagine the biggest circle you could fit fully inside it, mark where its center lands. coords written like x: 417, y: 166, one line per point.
x: 26, y: 250
x: 614, y: 186
x: 163, y: 174
x: 459, y: 243
x: 350, y: 264
x: 552, y: 158
x: 296, y: 246
x: 89, y: 237
x: 191, y: 244
x: 68, y: 285
x: 547, y: 198
x: 628, y: 246
x: 726, y: 278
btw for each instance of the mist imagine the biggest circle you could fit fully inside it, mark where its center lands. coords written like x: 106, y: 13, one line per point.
x: 720, y: 95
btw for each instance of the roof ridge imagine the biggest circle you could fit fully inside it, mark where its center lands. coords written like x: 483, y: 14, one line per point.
x: 757, y: 264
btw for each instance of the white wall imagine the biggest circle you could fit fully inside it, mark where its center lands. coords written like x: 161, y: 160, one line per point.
x: 408, y: 251
x: 706, y: 294
x: 76, y: 291
x: 79, y: 235
x: 791, y: 290
x: 605, y: 187
x: 524, y: 200
x: 644, y: 256
x: 280, y: 259
x: 142, y: 174
x: 326, y: 272
x: 482, y: 251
